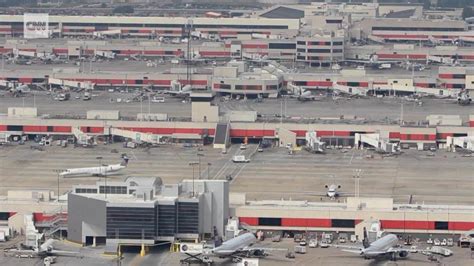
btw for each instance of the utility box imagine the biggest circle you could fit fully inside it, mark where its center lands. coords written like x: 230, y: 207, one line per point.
x: 22, y: 112
x: 103, y: 115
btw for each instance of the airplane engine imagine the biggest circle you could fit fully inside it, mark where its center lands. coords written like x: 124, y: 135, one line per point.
x: 257, y: 253
x: 50, y: 248
x: 403, y: 254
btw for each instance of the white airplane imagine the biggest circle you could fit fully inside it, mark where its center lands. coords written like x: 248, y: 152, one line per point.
x: 307, y: 95
x: 95, y: 171
x: 183, y: 91
x: 16, y: 89
x: 464, y: 98
x: 332, y: 191
x: 373, y: 60
x: 44, y: 250
x: 235, y: 248
x: 384, y: 246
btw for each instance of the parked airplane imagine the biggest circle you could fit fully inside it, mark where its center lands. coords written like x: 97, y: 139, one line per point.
x: 373, y: 61
x: 464, y: 98
x: 384, y: 246
x: 307, y: 95
x: 236, y: 248
x: 15, y: 89
x: 44, y: 250
x: 95, y: 171
x: 176, y: 89
x: 332, y: 191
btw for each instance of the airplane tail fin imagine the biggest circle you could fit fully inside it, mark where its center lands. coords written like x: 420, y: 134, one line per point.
x: 125, y: 161
x: 365, y: 241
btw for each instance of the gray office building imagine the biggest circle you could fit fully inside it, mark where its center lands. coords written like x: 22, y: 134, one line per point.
x: 142, y: 210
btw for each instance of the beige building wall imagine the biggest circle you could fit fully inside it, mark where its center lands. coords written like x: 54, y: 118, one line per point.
x: 286, y: 137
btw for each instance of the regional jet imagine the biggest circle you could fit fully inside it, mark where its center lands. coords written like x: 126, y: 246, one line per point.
x: 95, y: 171
x: 332, y: 191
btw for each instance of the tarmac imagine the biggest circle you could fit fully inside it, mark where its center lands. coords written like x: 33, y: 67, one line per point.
x: 314, y: 256
x: 445, y: 178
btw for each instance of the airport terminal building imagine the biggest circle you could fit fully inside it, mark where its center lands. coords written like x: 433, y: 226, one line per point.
x: 142, y: 210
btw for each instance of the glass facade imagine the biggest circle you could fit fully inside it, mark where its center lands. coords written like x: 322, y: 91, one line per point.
x: 131, y: 222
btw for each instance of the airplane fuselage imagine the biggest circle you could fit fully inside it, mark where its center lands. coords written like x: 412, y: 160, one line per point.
x: 234, y: 245
x: 380, y: 246
x: 93, y: 171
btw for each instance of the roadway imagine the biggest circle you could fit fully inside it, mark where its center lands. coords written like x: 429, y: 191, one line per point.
x: 374, y: 110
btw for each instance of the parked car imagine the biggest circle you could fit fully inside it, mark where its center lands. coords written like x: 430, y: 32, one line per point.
x: 436, y: 242
x: 429, y: 241
x: 276, y: 238
x: 444, y: 242
x: 450, y: 242
x: 303, y: 243
x: 324, y: 244
x: 313, y: 243
x: 243, y: 146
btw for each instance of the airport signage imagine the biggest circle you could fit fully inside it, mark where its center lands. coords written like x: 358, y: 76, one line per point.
x: 191, y: 248
x: 35, y: 25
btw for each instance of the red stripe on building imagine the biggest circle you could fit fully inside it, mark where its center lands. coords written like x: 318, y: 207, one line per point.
x: 417, y: 137
x: 28, y: 128
x: 214, y: 53
x: 408, y: 224
x: 305, y: 222
x: 25, y: 80
x: 401, y: 36
x: 62, y: 129
x: 3, y: 127
x: 92, y: 129
x: 249, y: 220
x: 154, y: 52
x: 299, y: 133
x: 319, y: 83
x: 254, y: 46
x: 322, y: 133
x: 394, y: 135
x: 460, y: 226
x: 445, y: 76
x: 60, y: 50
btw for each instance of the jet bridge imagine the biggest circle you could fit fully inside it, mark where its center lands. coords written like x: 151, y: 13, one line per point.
x: 379, y: 141
x: 313, y: 143
x: 137, y: 137
x: 72, y: 84
x: 81, y: 137
x: 460, y: 143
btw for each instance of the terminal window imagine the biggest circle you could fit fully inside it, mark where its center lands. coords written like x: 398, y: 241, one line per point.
x: 269, y: 221
x: 441, y: 225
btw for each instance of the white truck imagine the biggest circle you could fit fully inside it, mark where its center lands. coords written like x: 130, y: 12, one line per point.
x: 385, y: 66
x: 240, y: 159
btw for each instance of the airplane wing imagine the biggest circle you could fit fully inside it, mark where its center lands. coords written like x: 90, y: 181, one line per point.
x: 264, y: 249
x: 62, y: 252
x: 348, y: 247
x: 351, y: 251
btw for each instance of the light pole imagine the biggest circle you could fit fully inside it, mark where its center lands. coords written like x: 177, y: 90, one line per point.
x: 193, y: 164
x: 199, y: 155
x: 58, y: 171
x: 208, y: 170
x: 356, y: 177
